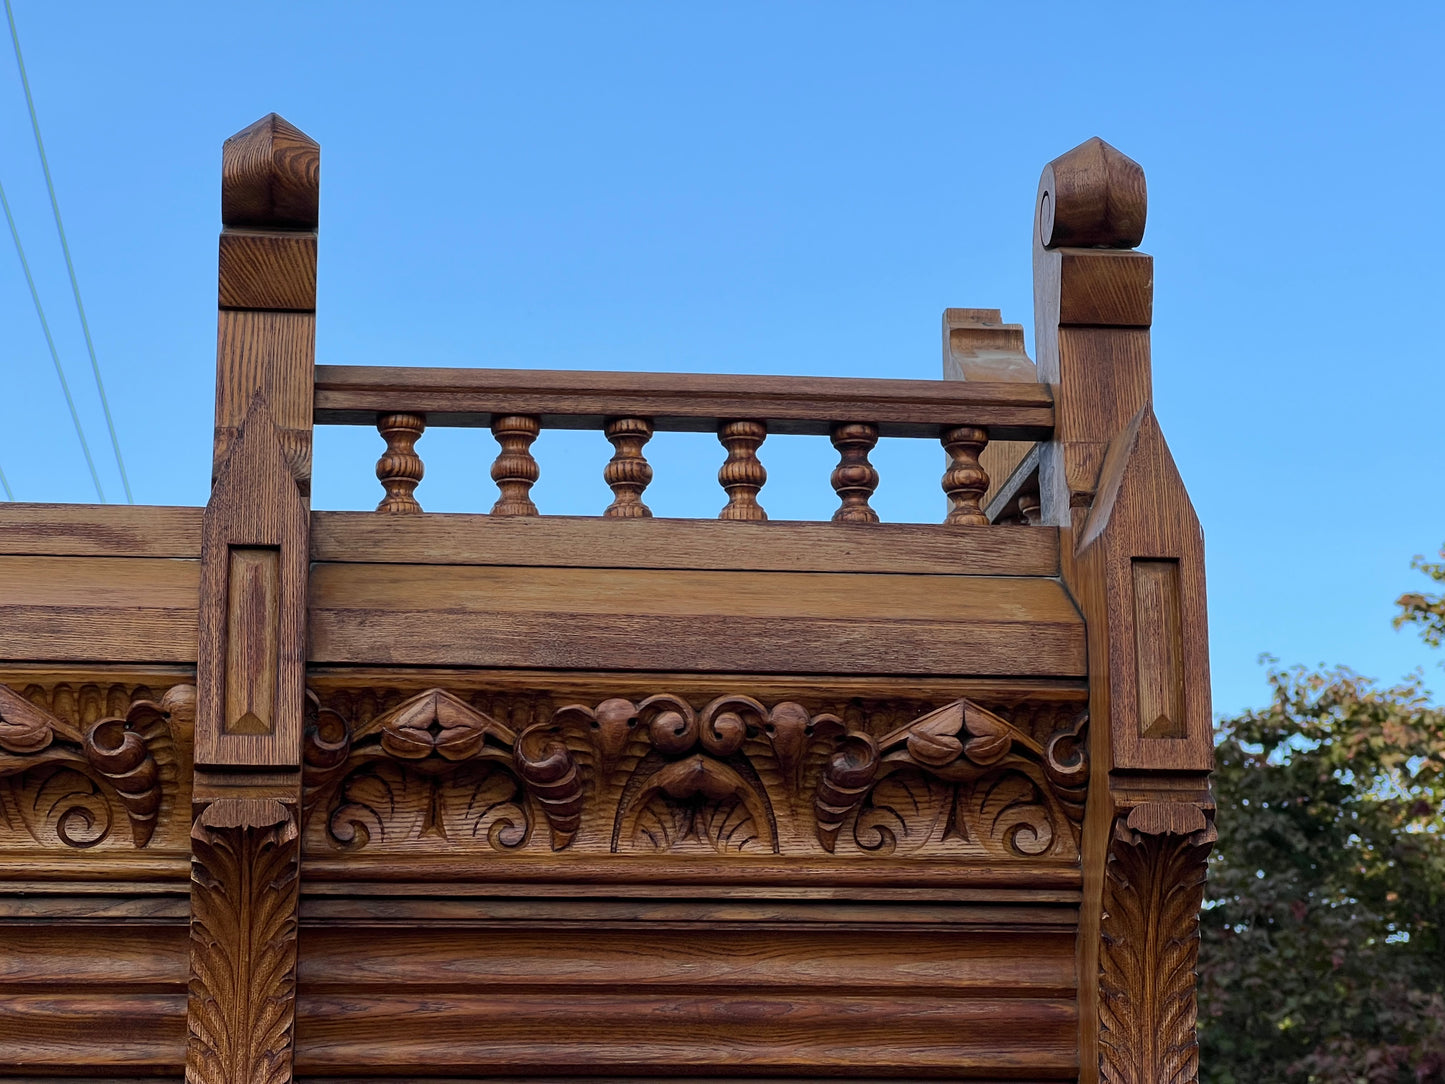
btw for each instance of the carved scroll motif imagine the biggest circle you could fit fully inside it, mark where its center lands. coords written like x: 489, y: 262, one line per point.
x: 1153, y: 890
x: 76, y: 762
x: 962, y: 773
x: 661, y: 773
x: 436, y: 767
x: 242, y: 995
x: 699, y: 780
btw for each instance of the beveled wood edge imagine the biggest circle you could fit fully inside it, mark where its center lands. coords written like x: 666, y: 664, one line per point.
x: 683, y: 544
x: 1014, y: 486
x: 680, y: 402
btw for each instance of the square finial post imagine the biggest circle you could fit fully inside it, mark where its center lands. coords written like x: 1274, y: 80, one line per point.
x: 1132, y: 555
x: 251, y: 665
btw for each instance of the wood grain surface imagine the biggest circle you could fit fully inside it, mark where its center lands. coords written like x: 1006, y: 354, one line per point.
x: 680, y: 402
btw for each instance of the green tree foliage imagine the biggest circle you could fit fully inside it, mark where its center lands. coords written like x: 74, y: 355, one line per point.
x: 1427, y: 611
x: 1323, y: 952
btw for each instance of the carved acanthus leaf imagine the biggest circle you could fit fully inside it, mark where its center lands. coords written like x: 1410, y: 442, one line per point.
x: 1154, y: 887
x: 241, y: 1009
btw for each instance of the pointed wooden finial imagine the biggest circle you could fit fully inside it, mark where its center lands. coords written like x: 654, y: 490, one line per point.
x: 1092, y: 197
x: 270, y: 177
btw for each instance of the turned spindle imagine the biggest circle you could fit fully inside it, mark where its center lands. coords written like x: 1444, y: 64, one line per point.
x: 628, y: 472
x: 515, y: 471
x: 742, y: 475
x: 1029, y: 509
x: 964, y: 481
x: 854, y: 478
x: 399, y: 469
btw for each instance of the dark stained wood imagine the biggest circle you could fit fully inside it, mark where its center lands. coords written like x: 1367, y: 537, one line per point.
x: 687, y: 402
x: 628, y: 473
x: 1108, y: 480
x: 515, y: 470
x: 268, y: 271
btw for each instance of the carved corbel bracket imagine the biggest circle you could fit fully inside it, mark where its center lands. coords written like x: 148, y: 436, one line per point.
x: 114, y: 756
x: 1153, y: 889
x: 244, y: 863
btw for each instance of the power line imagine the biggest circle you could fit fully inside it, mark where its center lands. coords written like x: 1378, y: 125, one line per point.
x: 5, y: 485
x: 69, y: 265
x: 50, y: 341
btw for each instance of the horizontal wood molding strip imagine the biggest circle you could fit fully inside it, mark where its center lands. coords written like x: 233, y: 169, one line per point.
x: 596, y: 542
x: 58, y: 1034
x: 738, y: 958
x: 917, y: 1037
x: 767, y: 622
x: 99, y: 530
x: 1035, y: 882
x: 699, y: 594
x: 686, y: 402
x: 101, y: 609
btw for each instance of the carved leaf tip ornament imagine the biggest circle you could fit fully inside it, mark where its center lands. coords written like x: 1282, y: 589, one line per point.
x: 436, y: 765
x: 985, y: 778
x: 241, y: 1006
x: 69, y: 778
x: 1154, y: 887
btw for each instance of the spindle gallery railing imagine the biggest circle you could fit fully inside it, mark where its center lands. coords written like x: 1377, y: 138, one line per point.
x: 630, y: 407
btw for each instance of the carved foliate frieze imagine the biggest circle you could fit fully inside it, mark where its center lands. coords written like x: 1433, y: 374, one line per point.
x: 436, y: 768
x: 732, y: 775
x: 91, y: 765
x: 1153, y: 889
x: 241, y: 1012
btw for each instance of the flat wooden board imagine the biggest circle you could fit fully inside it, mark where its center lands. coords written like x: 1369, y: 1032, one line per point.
x: 98, y: 609
x: 596, y: 542
x: 99, y: 530
x: 763, y: 622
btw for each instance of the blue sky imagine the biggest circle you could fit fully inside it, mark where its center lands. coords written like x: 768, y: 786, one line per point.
x: 774, y: 188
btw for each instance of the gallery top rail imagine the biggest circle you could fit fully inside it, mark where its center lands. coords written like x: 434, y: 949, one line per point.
x: 681, y: 402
